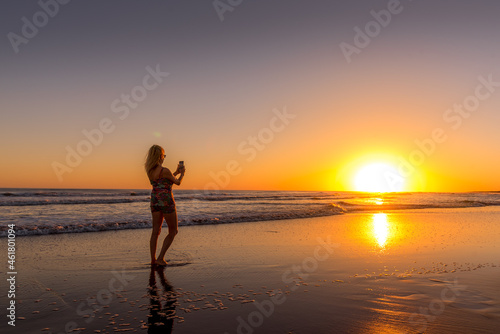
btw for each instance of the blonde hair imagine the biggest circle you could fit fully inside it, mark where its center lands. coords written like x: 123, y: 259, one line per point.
x: 153, y: 158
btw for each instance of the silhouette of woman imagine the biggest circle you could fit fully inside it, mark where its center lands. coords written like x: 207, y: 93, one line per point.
x: 162, y: 200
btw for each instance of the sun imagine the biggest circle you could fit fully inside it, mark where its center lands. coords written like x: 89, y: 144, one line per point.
x: 378, y: 177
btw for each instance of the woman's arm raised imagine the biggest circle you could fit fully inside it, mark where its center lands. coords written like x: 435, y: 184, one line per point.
x: 168, y: 174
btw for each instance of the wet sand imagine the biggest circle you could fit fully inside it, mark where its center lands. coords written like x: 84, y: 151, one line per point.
x: 436, y: 271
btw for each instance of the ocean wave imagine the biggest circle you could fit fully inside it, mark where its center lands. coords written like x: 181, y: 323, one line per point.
x: 74, y: 228
x: 75, y: 193
x: 472, y: 203
x: 63, y: 198
x: 304, y: 212
x: 66, y: 201
x: 370, y: 207
x: 232, y: 197
x: 103, y: 210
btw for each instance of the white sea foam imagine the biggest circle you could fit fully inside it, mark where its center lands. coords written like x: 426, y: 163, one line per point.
x: 48, y: 211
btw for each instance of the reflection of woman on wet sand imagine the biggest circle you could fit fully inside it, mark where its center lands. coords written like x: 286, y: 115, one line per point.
x: 161, y: 318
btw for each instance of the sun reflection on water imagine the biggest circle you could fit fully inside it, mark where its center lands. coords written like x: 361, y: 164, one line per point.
x: 380, y: 228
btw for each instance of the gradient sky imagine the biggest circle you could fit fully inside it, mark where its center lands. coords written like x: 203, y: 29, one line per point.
x: 226, y: 78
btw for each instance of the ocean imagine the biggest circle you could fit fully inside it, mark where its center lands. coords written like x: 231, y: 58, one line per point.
x: 50, y: 211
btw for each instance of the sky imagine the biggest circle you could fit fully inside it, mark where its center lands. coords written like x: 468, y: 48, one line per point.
x: 268, y: 95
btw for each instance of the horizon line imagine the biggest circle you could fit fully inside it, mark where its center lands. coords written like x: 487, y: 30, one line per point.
x: 211, y: 191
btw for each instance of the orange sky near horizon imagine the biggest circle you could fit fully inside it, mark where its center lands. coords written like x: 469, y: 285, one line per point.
x: 273, y: 107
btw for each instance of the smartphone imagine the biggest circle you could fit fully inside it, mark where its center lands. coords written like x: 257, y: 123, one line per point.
x: 181, y: 163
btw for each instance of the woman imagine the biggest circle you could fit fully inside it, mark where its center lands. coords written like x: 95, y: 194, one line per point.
x: 162, y: 200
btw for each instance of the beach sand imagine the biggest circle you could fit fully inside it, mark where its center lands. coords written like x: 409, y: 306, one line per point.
x: 436, y: 271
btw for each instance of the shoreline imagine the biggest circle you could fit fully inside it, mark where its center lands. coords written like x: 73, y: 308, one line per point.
x: 126, y: 226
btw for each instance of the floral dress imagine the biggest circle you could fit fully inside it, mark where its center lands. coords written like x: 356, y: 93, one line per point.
x: 161, y: 195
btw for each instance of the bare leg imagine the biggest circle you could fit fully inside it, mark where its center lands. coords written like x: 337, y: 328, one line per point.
x: 171, y: 220
x: 155, y: 233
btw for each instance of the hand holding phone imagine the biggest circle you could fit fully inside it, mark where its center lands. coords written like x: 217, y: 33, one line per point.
x: 181, y: 167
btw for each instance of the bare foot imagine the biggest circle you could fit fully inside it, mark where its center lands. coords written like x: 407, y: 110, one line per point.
x: 161, y: 263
